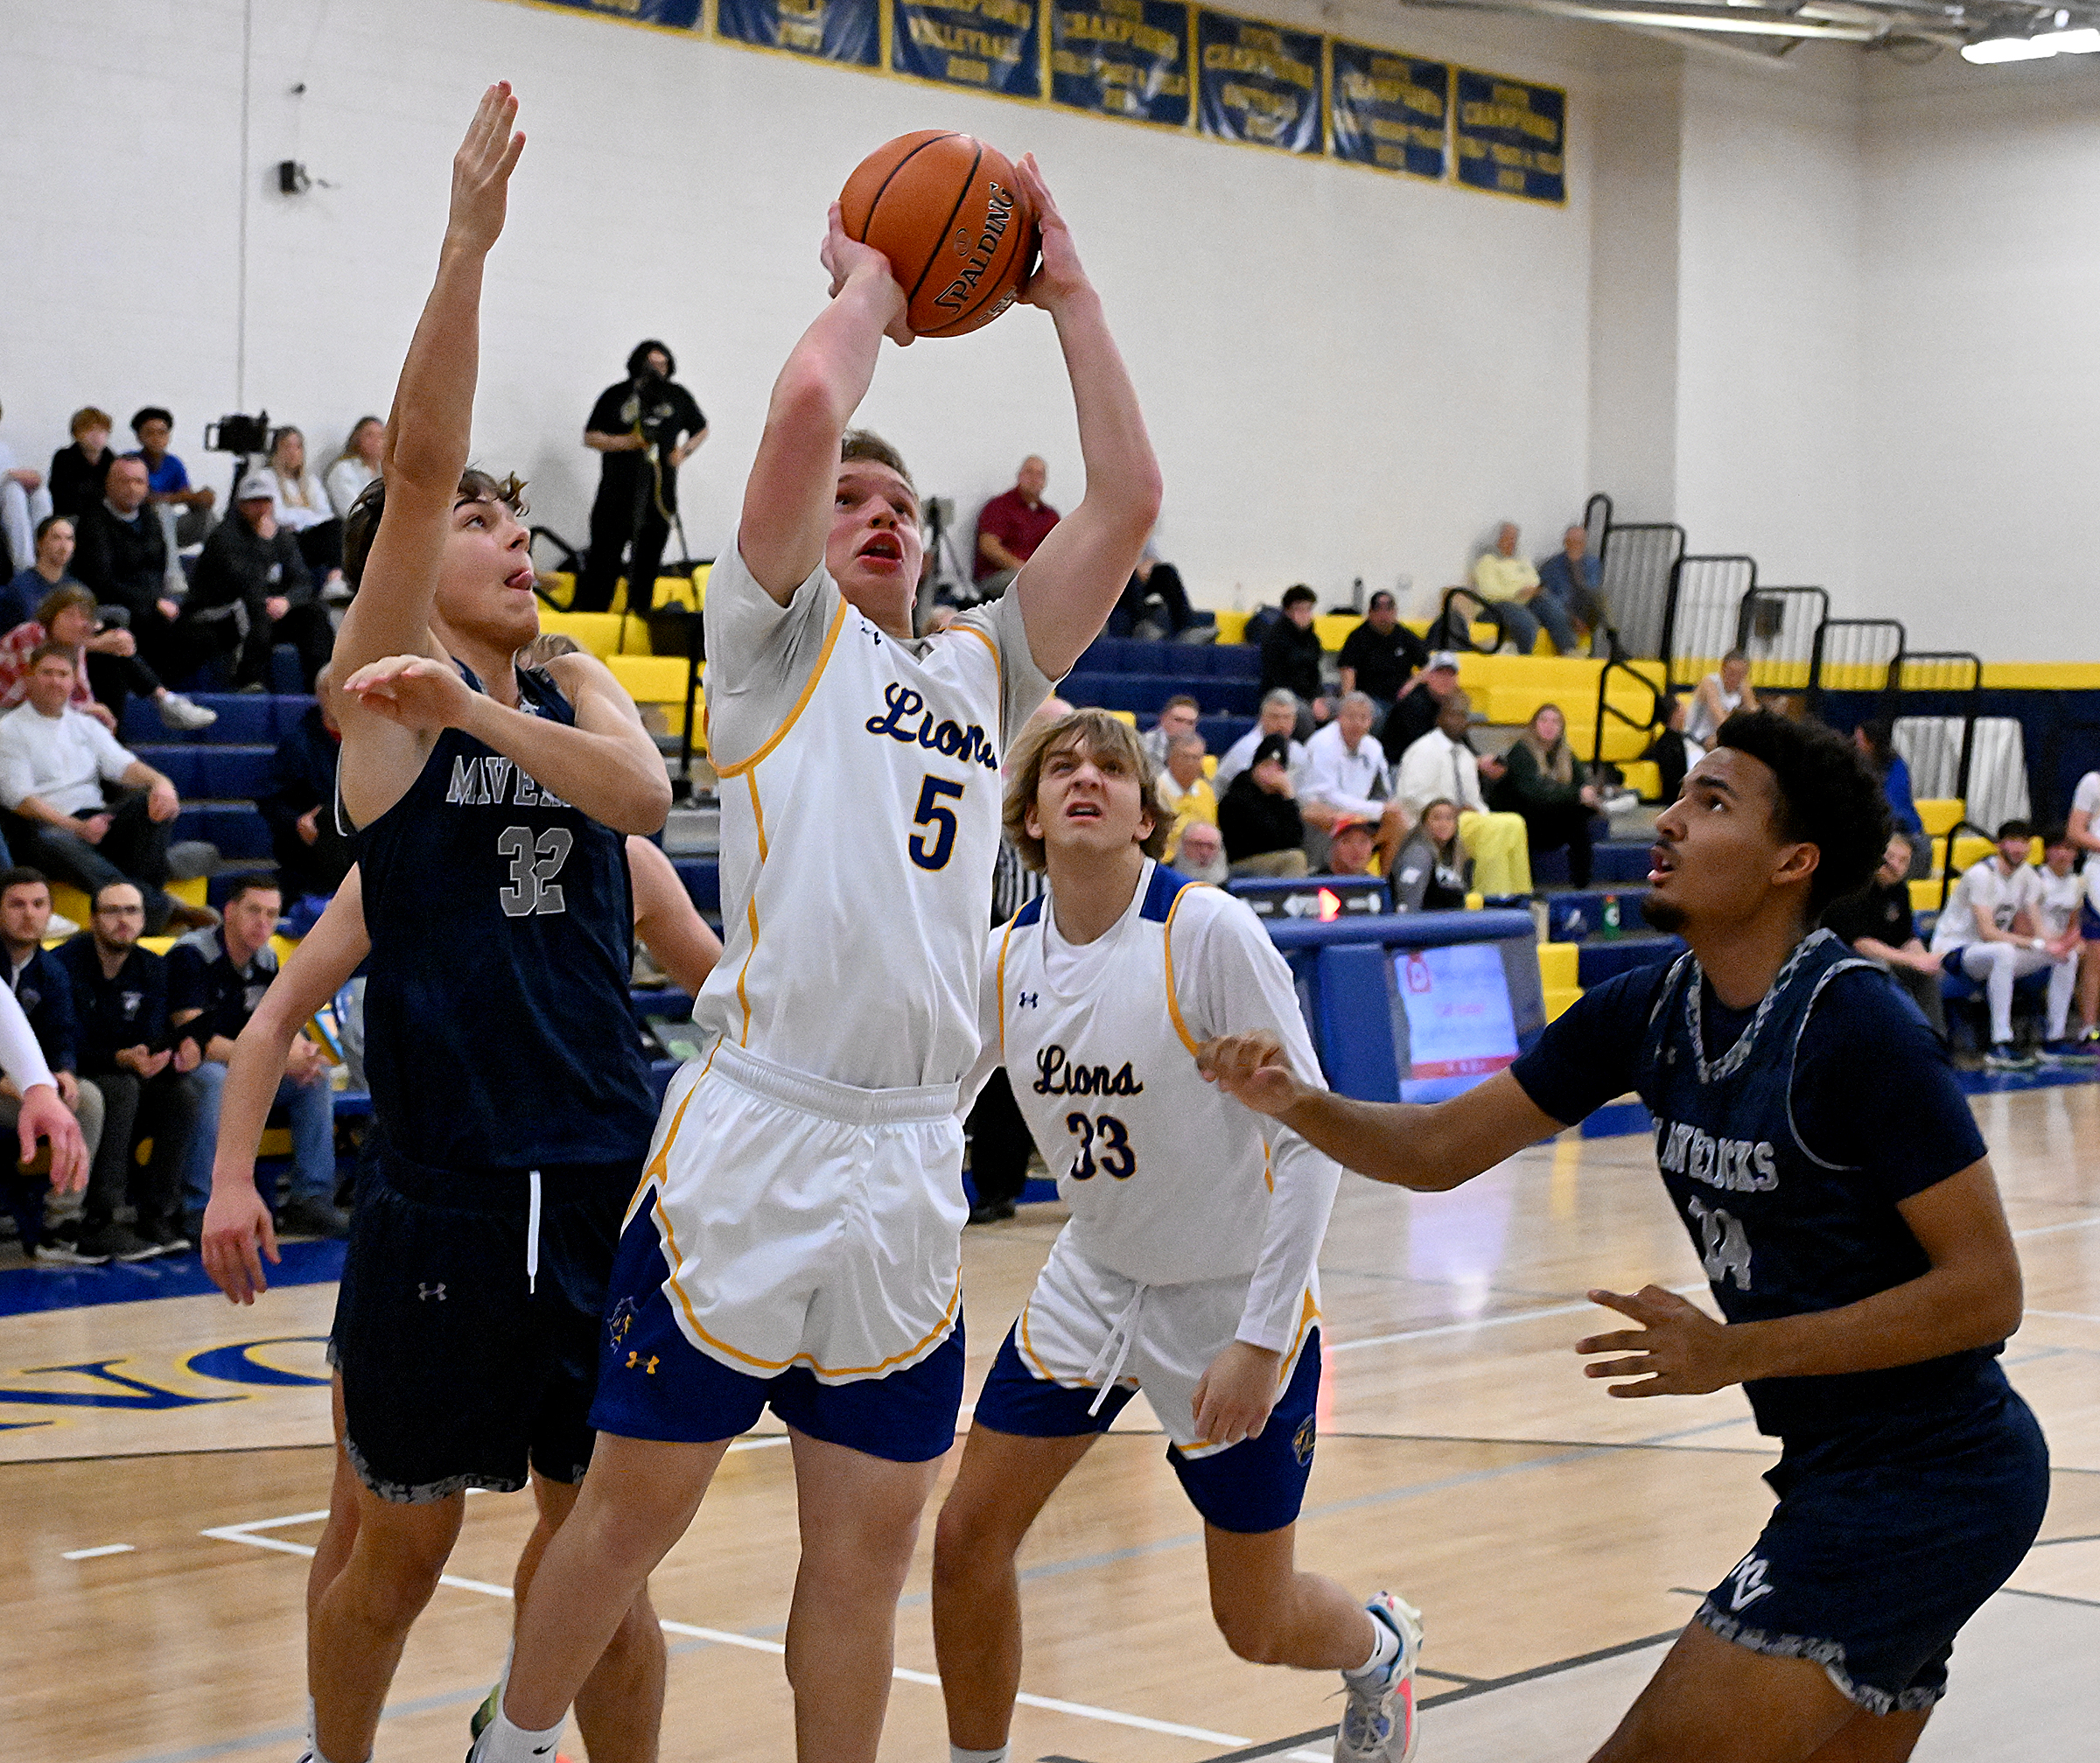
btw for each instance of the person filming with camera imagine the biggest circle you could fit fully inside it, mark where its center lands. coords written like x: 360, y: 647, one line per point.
x: 644, y: 428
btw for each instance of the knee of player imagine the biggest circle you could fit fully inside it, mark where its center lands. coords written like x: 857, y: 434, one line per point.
x: 969, y: 1538
x: 1255, y: 1631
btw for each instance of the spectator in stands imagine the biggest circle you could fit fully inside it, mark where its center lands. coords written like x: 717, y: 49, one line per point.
x: 215, y: 980
x: 1350, y: 847
x: 123, y: 555
x: 77, y: 468
x: 49, y: 569
x: 1875, y: 738
x: 1380, y: 656
x: 1291, y: 658
x: 1511, y: 584
x: 642, y: 430
x: 1432, y: 873
x: 1543, y: 782
x: 1152, y: 583
x: 127, y: 1054
x: 1443, y: 763
x: 1346, y: 775
x: 1570, y: 578
x: 189, y: 505
x: 1674, y: 752
x: 107, y: 668
x: 1010, y: 526
x: 1202, y: 854
x: 55, y: 763
x: 1184, y: 792
x: 2062, y: 915
x: 356, y: 465
x: 313, y: 856
x: 1177, y: 717
x: 302, y: 506
x: 1718, y: 696
x: 1279, y: 715
x: 1258, y: 815
x: 1414, y: 713
x: 1991, y: 932
x: 23, y: 501
x: 252, y: 589
x: 1879, y: 925
x: 42, y: 989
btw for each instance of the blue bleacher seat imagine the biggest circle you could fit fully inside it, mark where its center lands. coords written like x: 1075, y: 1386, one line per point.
x: 236, y: 828
x: 250, y: 718
x: 703, y: 879
x: 1597, y: 962
x: 221, y: 773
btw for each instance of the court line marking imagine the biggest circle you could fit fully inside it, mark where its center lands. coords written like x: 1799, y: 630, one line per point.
x: 2063, y: 1315
x: 94, y: 1554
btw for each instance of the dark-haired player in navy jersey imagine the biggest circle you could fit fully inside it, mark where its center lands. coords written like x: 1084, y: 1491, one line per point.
x: 489, y: 803
x: 1811, y: 1133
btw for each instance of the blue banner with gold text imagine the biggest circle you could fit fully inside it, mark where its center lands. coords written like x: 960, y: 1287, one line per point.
x: 994, y: 45
x: 848, y: 31
x: 673, y: 15
x: 1258, y: 83
x: 1388, y: 110
x: 1121, y: 58
x: 1511, y: 137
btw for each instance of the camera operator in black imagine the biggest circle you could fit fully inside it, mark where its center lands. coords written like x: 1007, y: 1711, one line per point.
x: 646, y: 426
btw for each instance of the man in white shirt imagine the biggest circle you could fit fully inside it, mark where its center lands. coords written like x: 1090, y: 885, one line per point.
x: 1347, y: 777
x: 1278, y: 717
x: 54, y: 763
x: 1441, y: 763
x: 2064, y: 913
x: 1991, y: 932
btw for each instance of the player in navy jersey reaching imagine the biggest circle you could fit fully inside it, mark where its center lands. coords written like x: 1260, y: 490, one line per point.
x: 489, y: 803
x: 1813, y: 1137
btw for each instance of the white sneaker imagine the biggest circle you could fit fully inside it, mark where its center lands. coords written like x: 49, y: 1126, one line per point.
x: 178, y: 712
x: 1378, y: 1725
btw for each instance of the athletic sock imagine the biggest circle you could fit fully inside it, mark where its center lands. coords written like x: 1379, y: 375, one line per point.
x: 957, y: 1754
x: 1384, y: 1649
x: 502, y: 1741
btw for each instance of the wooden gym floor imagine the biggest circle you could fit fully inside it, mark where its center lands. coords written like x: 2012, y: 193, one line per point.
x: 153, y: 1556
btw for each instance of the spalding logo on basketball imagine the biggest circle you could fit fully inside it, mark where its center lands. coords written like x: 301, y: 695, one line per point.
x: 960, y: 234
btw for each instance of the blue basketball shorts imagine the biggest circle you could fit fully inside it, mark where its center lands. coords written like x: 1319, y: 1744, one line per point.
x: 1889, y: 1535
x: 2089, y: 922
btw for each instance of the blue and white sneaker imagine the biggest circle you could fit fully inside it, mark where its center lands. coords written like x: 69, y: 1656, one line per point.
x: 1378, y: 1725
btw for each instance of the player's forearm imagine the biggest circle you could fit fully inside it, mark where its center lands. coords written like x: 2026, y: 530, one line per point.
x: 1389, y: 1141
x: 1299, y: 1208
x: 255, y: 1066
x: 1122, y: 477
x: 430, y: 428
x: 618, y: 779
x: 1953, y: 1308
x: 829, y: 370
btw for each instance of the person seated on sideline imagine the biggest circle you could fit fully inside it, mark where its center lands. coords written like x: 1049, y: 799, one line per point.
x: 105, y: 660
x: 302, y: 506
x: 42, y: 989
x: 1350, y: 847
x: 1543, y: 782
x: 1258, y: 816
x: 1879, y: 924
x: 215, y: 980
x: 1279, y: 715
x: 313, y: 853
x: 129, y: 1055
x: 1673, y: 752
x: 1178, y: 715
x: 1347, y: 774
x: 252, y: 589
x: 23, y: 501
x: 1203, y: 854
x: 1442, y: 764
x: 2063, y: 915
x: 1570, y: 578
x: 1414, y: 713
x: 1380, y: 656
x: 24, y: 1183
x: 77, y: 468
x: 1875, y: 738
x: 1010, y: 526
x: 1432, y: 873
x: 356, y: 465
x: 1991, y: 932
x: 2083, y: 830
x: 1153, y: 582
x: 1509, y: 582
x: 56, y: 765
x: 122, y: 555
x: 1291, y: 658
x: 169, y: 478
x: 1718, y: 696
x: 1184, y: 792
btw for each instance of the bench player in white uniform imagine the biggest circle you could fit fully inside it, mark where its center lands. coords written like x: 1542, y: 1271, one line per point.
x: 1989, y: 933
x: 2063, y: 910
x: 1188, y: 1268
x: 795, y: 1241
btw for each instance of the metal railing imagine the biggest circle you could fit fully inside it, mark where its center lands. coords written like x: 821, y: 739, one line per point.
x: 1938, y: 697
x: 1948, y: 873
x: 1636, y: 560
x: 1657, y: 699
x: 1854, y: 656
x: 1454, y: 631
x: 1597, y: 522
x: 1776, y: 628
x: 1701, y: 613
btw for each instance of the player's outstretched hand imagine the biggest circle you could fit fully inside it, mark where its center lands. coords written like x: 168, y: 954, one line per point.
x: 45, y: 1115
x: 1235, y: 1394
x: 843, y: 256
x: 1251, y: 1068
x: 238, y: 1232
x: 481, y: 171
x: 1678, y: 1350
x: 414, y: 690
x: 1059, y: 276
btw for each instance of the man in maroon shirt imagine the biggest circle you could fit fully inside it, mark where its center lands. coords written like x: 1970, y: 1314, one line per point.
x: 1011, y: 527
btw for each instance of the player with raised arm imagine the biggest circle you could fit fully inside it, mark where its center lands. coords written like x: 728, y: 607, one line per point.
x: 511, y: 1104
x: 797, y: 1239
x: 1188, y: 1268
x: 1813, y: 1136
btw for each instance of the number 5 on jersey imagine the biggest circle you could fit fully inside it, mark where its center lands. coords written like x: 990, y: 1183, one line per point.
x: 931, y: 848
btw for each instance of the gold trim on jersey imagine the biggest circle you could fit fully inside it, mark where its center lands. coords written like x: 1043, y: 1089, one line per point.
x: 838, y: 624
x: 1173, y: 1004
x: 659, y: 1165
x: 1000, y: 982
x: 997, y: 673
x: 750, y: 906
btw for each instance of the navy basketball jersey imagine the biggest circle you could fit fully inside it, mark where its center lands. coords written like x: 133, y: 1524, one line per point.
x: 497, y: 1029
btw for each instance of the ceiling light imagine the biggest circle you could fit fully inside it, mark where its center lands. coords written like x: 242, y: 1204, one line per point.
x: 1995, y: 49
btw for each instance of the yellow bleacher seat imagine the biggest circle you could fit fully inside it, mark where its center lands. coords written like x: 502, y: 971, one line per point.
x: 1559, y: 964
x: 1232, y: 625
x: 1127, y: 717
x: 1971, y: 848
x: 1644, y: 777
x: 1210, y: 765
x: 657, y: 680
x: 157, y: 944
x: 598, y: 633
x: 1939, y: 814
x: 1559, y: 998
x: 1333, y: 629
x: 1925, y: 894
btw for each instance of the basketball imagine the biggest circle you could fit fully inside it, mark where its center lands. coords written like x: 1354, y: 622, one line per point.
x: 947, y: 212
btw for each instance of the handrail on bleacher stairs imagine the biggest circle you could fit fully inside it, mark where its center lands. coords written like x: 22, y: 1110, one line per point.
x: 1596, y: 524
x: 1703, y: 608
x: 1451, y: 633
x: 1779, y: 642
x: 1616, y: 663
x: 1940, y: 675
x: 1854, y: 643
x: 1635, y: 560
x: 1948, y: 875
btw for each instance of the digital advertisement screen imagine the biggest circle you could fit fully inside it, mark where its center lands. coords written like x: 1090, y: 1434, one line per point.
x: 1456, y: 999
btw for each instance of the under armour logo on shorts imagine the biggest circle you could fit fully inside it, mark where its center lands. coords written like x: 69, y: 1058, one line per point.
x: 1027, y: 1000
x: 427, y: 1292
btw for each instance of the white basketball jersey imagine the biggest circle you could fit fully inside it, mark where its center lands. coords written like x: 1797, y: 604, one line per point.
x: 1169, y: 1180
x: 860, y: 796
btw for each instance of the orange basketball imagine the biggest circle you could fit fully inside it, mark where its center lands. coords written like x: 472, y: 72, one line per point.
x: 945, y: 209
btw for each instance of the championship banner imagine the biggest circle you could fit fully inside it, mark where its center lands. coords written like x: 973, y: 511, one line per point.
x: 848, y: 31
x: 1122, y: 58
x: 994, y: 45
x: 672, y: 15
x: 1260, y: 83
x: 1511, y: 137
x: 1389, y: 110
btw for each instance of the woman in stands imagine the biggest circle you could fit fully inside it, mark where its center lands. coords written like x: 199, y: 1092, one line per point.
x: 302, y: 509
x: 1432, y: 873
x: 1543, y: 782
x: 357, y: 464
